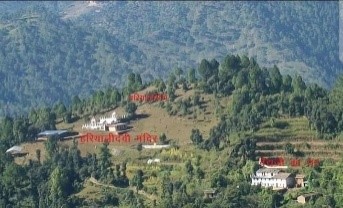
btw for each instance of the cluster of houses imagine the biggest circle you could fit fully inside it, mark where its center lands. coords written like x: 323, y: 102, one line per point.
x: 18, y: 151
x: 111, y: 123
x: 266, y: 176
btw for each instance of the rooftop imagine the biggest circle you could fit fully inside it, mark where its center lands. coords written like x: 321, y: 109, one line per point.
x: 52, y: 132
x: 117, y: 124
x: 299, y: 176
x: 282, y: 175
x: 14, y: 149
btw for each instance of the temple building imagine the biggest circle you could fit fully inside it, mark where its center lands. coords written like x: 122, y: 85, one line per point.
x: 111, y: 123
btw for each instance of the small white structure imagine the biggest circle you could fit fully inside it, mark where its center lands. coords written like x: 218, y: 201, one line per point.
x: 271, y: 177
x: 156, y: 146
x: 150, y: 161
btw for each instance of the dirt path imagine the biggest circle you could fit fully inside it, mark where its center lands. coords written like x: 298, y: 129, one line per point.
x: 141, y: 192
x: 305, y: 151
x: 309, y: 142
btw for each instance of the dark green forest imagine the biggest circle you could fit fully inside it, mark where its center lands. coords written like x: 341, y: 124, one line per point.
x: 64, y: 61
x: 51, y: 60
x: 258, y: 94
x: 52, y: 51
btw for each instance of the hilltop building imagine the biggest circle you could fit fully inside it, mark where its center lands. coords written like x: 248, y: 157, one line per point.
x: 111, y: 123
x: 271, y: 177
x: 94, y: 125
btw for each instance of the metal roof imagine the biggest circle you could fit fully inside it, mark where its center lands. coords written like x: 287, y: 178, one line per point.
x: 14, y: 149
x: 282, y: 175
x: 52, y: 132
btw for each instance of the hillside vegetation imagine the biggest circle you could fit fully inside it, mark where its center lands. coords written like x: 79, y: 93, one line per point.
x: 52, y: 51
x: 219, y: 119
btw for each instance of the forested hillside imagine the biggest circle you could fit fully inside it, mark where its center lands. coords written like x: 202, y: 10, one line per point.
x: 247, y: 101
x: 52, y: 51
x: 44, y: 59
x: 300, y: 37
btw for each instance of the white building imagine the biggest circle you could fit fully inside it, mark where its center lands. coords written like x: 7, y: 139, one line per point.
x: 109, y: 120
x: 271, y: 177
x: 94, y: 125
x: 103, y: 122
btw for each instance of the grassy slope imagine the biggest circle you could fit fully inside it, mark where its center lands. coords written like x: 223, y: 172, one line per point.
x: 178, y: 129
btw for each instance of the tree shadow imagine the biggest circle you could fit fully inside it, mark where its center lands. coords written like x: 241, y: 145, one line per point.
x: 281, y: 124
x: 141, y: 116
x: 74, y: 119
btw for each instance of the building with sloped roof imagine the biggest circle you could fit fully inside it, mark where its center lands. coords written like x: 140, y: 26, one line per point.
x: 16, y: 151
x: 210, y: 193
x: 58, y: 134
x: 305, y: 198
x: 271, y: 177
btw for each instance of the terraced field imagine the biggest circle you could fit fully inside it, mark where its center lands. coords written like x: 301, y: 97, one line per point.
x: 272, y: 141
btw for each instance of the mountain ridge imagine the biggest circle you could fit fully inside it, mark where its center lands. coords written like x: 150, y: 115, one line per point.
x: 80, y: 48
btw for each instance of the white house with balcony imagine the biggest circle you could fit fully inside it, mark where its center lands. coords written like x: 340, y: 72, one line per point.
x: 271, y: 177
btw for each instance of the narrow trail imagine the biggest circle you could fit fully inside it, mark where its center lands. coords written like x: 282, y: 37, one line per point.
x: 294, y: 143
x: 141, y: 192
x: 305, y: 151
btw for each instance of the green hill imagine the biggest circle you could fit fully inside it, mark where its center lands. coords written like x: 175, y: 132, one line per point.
x: 217, y: 123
